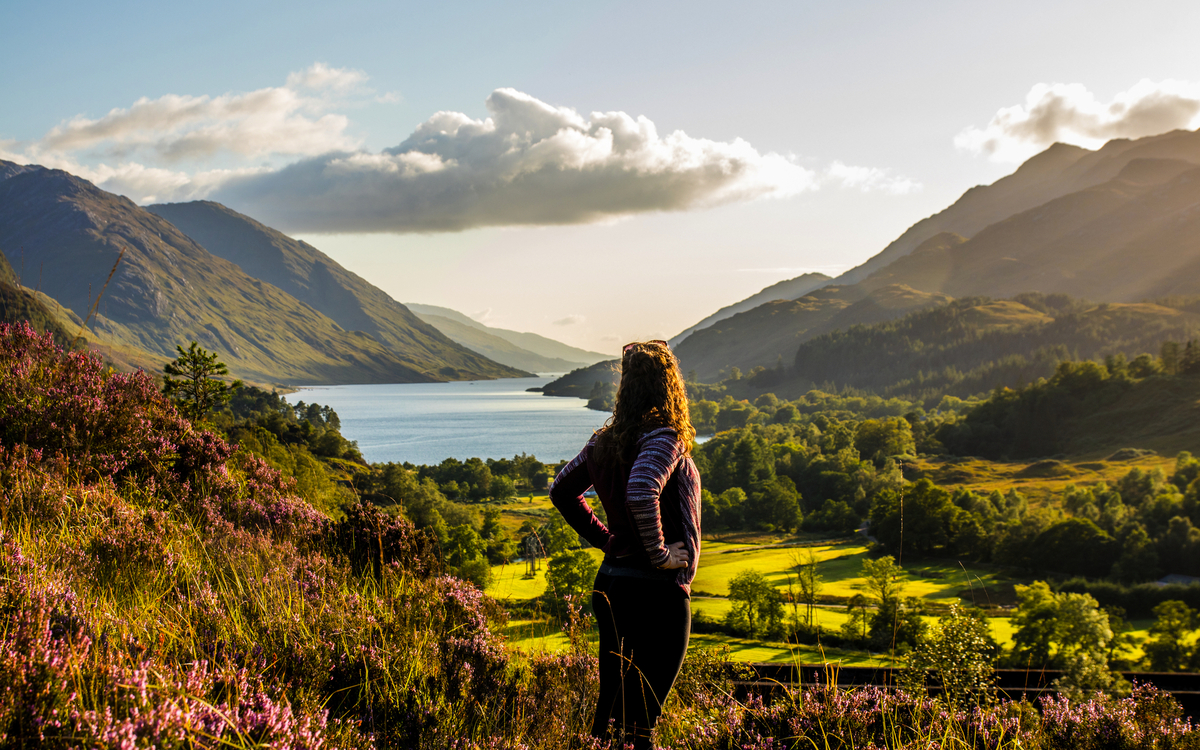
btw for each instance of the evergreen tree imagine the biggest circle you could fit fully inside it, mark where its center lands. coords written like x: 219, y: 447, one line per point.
x: 191, y: 380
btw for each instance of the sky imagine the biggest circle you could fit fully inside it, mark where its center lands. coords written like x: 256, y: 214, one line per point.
x: 596, y: 173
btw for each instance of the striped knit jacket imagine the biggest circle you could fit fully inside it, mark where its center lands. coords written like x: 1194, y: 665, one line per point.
x: 653, y: 502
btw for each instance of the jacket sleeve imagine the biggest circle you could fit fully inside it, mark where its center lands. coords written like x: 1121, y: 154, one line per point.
x: 659, y: 452
x: 567, y: 495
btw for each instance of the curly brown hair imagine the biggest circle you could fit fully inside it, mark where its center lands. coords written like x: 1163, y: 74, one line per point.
x: 651, y: 395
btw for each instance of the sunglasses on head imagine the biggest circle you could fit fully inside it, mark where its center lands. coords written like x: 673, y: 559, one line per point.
x: 629, y: 347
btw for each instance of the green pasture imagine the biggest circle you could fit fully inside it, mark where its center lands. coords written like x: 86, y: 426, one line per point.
x: 535, y: 507
x: 1041, y: 482
x: 535, y: 635
x: 509, y: 581
x: 840, y: 567
x: 742, y: 649
x: 542, y: 635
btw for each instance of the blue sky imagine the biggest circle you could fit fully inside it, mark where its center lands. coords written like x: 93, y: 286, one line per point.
x: 841, y: 123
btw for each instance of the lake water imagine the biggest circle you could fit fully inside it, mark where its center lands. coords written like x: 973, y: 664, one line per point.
x: 427, y: 422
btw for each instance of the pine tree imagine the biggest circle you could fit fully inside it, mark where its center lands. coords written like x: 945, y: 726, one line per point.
x: 191, y: 381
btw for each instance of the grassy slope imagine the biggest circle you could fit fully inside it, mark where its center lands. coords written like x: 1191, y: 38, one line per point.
x: 20, y: 304
x: 973, y: 345
x: 579, y: 383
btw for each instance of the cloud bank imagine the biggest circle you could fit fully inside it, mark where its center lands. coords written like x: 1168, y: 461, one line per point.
x: 172, y: 128
x: 527, y: 163
x: 1071, y: 114
x: 283, y: 155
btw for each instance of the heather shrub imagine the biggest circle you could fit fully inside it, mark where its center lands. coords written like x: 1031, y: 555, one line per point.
x: 67, y: 404
x: 1148, y: 718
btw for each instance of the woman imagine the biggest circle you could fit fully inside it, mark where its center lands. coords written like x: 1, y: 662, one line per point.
x: 640, y: 466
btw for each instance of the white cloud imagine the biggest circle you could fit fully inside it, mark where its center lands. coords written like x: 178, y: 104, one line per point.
x: 528, y: 163
x: 176, y: 128
x: 320, y: 76
x: 139, y: 151
x: 570, y: 320
x: 482, y: 316
x: 870, y: 179
x: 1070, y: 113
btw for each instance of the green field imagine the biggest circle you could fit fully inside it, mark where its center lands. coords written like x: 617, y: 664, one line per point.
x: 839, y: 564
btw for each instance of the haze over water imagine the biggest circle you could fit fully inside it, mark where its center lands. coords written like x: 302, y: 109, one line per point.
x: 425, y: 423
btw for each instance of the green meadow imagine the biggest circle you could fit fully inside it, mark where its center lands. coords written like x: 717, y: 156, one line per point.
x: 839, y: 564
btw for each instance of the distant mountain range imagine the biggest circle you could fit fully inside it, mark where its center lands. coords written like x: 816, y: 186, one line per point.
x: 527, y: 351
x: 1118, y: 224
x: 275, y: 310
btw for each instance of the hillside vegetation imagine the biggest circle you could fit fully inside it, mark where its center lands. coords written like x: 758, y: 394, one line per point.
x: 162, y: 587
x: 975, y: 345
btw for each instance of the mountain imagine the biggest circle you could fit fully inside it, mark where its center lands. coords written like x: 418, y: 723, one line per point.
x: 1117, y: 224
x: 530, y: 342
x: 167, y: 289
x: 786, y: 289
x: 1133, y: 237
x: 768, y: 335
x: 315, y: 279
x: 44, y: 314
x: 1059, y: 170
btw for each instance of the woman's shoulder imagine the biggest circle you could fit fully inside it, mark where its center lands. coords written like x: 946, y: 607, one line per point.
x: 660, y: 436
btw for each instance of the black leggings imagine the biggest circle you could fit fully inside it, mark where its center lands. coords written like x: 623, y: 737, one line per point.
x: 644, y: 628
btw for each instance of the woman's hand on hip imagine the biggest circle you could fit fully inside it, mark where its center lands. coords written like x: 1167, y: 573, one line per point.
x: 677, y: 557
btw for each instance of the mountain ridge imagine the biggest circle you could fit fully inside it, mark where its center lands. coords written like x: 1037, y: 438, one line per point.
x: 768, y: 334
